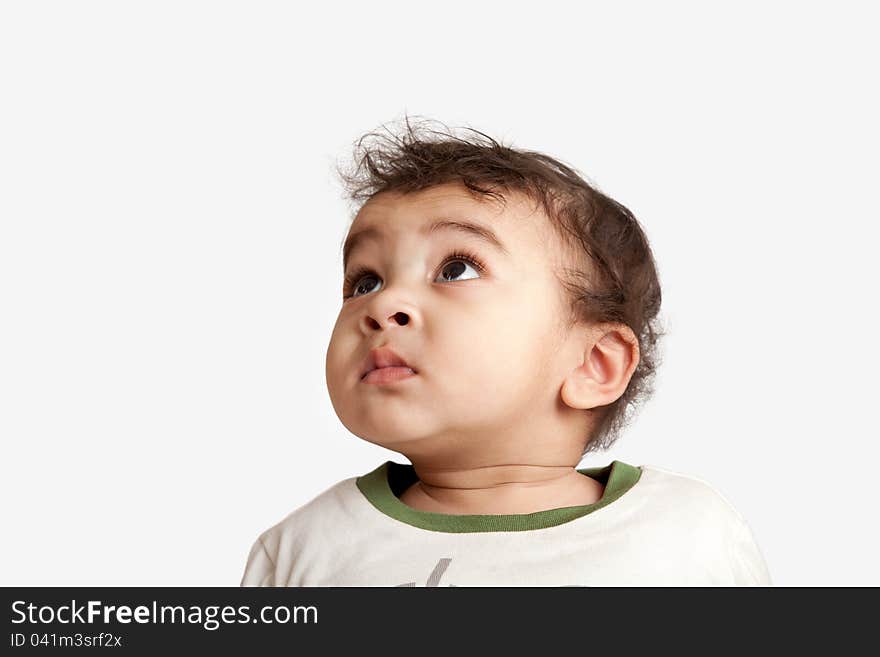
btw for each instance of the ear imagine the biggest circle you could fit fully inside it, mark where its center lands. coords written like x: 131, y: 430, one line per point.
x: 611, y: 354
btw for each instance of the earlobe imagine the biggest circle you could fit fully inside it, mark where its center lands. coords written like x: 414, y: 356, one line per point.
x: 607, y: 367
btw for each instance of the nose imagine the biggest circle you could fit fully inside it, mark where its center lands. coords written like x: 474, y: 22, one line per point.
x: 399, y: 317
x: 386, y: 309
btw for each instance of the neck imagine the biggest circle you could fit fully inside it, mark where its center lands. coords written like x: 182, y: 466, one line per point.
x: 499, y: 489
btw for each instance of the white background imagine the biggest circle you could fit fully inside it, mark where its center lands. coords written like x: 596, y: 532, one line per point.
x: 170, y: 268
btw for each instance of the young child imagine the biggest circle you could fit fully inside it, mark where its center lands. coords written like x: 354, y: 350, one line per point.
x: 498, y: 323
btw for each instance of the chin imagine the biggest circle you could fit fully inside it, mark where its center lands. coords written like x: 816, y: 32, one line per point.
x: 389, y: 433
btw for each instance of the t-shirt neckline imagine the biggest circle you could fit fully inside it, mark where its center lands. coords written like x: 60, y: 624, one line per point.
x: 382, y: 486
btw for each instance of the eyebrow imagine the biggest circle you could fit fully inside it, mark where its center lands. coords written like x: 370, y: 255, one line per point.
x: 474, y: 230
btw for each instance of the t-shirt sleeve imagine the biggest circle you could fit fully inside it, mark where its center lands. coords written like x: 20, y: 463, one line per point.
x: 746, y: 561
x: 260, y: 568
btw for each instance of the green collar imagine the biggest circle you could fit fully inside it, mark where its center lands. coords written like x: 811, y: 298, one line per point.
x: 383, y: 485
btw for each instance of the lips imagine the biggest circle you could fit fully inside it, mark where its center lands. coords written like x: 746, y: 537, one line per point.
x: 383, y: 357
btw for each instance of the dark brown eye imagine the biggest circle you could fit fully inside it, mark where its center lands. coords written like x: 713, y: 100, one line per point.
x: 454, y: 268
x: 358, y: 283
x: 363, y: 284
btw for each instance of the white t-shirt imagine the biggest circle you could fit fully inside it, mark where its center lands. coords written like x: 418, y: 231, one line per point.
x: 652, y: 527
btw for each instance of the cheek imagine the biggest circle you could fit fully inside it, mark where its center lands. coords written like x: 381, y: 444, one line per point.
x: 340, y: 362
x: 506, y: 354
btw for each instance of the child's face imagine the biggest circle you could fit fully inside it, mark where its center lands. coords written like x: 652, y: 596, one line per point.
x: 486, y: 345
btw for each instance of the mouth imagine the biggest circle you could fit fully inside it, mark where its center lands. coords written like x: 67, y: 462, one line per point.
x: 384, y: 364
x: 388, y: 375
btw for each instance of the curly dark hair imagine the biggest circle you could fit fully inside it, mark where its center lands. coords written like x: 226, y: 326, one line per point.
x: 616, y: 276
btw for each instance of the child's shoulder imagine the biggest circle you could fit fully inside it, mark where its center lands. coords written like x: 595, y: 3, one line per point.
x: 688, y: 492
x: 324, y: 509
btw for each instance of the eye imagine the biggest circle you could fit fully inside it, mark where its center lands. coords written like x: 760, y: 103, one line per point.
x: 455, y: 265
x: 360, y: 277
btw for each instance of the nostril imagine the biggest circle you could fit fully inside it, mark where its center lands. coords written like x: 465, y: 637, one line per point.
x: 402, y: 318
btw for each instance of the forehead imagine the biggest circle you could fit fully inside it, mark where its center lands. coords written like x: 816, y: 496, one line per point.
x: 511, y: 228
